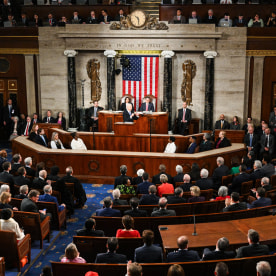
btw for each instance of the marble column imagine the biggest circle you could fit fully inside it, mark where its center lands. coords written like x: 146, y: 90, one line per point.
x: 167, y: 85
x: 209, y: 90
x: 72, y: 91
x: 111, y: 97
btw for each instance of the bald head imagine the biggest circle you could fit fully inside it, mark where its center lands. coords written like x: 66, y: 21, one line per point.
x: 182, y: 242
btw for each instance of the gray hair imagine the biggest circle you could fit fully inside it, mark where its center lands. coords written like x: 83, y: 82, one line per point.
x: 42, y: 173
x: 24, y: 189
x: 28, y: 161
x: 186, y: 177
x: 263, y: 268
x: 116, y: 193
x: 265, y: 180
x: 204, y: 173
x: 4, y: 188
x: 178, y: 169
x: 222, y: 191
x: 140, y: 172
x: 258, y: 164
x: 123, y: 169
x: 47, y: 189
x: 220, y: 160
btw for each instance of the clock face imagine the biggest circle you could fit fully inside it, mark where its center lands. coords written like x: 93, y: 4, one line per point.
x: 138, y: 18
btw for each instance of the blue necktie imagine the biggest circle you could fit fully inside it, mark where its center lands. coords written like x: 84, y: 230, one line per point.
x: 43, y: 140
x: 250, y: 143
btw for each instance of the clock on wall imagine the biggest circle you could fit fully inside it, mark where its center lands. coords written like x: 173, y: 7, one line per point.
x: 138, y: 19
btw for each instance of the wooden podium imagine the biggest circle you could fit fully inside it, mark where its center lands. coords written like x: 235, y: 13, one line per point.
x: 156, y: 122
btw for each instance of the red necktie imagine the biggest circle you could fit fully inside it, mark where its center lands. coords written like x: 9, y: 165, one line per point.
x: 27, y: 130
x: 48, y: 120
x: 147, y: 107
x: 184, y: 113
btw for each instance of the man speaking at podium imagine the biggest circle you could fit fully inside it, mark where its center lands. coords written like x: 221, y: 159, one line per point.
x: 147, y: 106
x: 129, y: 115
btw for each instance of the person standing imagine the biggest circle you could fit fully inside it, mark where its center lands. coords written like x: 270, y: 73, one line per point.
x: 184, y: 118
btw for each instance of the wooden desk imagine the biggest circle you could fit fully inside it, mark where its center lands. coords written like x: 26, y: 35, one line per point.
x: 157, y: 121
x: 208, y: 233
x: 235, y: 136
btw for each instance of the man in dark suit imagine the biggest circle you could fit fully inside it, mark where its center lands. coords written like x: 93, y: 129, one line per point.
x: 234, y: 204
x: 147, y: 105
x: 210, y: 18
x: 111, y: 257
x: 162, y: 170
x: 24, y: 21
x: 177, y: 197
x: 148, y: 253
x: 254, y: 248
x: 184, y: 118
x: 191, y: 148
x: 219, y: 172
x: 40, y: 181
x: 257, y: 173
x: 183, y: 254
x: 21, y: 179
x: 107, y: 210
x: 204, y: 183
x: 51, y: 21
x: 28, y: 166
x: 35, y: 119
x: 187, y: 183
x: 123, y: 178
x: 178, y: 18
x: 17, y: 159
x: 27, y: 126
x: 222, y: 123
x: 219, y: 253
x: 163, y: 211
x: 205, y: 143
x: 93, y: 115
x: 89, y: 229
x: 105, y: 18
x: 49, y: 119
x: 9, y: 112
x: 23, y: 192
x: 120, y: 15
x: 267, y: 169
x: 6, y: 177
x: 135, y: 212
x: 92, y: 18
x: 129, y: 115
x: 267, y: 143
x: 41, y: 138
x: 143, y: 188
x: 76, y: 18
x: 151, y: 198
x: 116, y: 198
x: 179, y: 176
x: 251, y: 140
x: 239, y: 179
x: 261, y: 201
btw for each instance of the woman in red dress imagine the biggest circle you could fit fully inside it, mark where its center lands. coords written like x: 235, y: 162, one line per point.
x: 128, y: 231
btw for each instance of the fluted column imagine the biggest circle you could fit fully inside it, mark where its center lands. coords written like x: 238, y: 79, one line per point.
x: 111, y: 97
x: 209, y: 90
x: 72, y: 92
x: 167, y: 85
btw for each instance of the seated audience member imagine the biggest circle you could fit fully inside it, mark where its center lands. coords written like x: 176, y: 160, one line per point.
x: 151, y: 198
x: 249, y: 160
x: 29, y: 204
x: 79, y: 191
x: 183, y: 254
x: 93, y: 116
x: 225, y: 22
x: 23, y: 192
x: 219, y: 172
x: 12, y: 20
x: 124, y: 104
x: 165, y: 187
x: 263, y: 268
x: 138, y: 179
x: 210, y: 18
x: 89, y: 229
x: 222, y: 193
x: 195, y: 193
x: 162, y: 170
x: 24, y: 21
x: 116, y: 198
x: 135, y: 212
x: 234, y: 204
x: 204, y: 183
x: 63, y: 21
x: 47, y: 197
x: 128, y: 231
x: 257, y: 173
x: 15, y: 128
x: 249, y: 122
x: 178, y: 18
x: 7, y: 223
x: 222, y: 141
x: 54, y: 174
x: 195, y: 16
x: 120, y: 16
x: 265, y: 184
x: 3, y: 158
x: 104, y: 18
x: 187, y: 183
x: 256, y: 21
x: 179, y: 174
x: 61, y: 120
x: 77, y: 143
x: 4, y: 188
x: 235, y: 163
x: 171, y: 147
x: 41, y: 138
x: 240, y: 21
x: 5, y: 199
x: 123, y: 178
x: 261, y: 201
x: 193, y: 145
x: 148, y: 253
x: 147, y: 105
x: 72, y: 255
x: 221, y: 269
x: 271, y: 22
x: 6, y: 177
x: 111, y: 257
x: 177, y: 197
x: 222, y: 123
x: 34, y: 132
x: 267, y: 143
x: 134, y: 269
x: 205, y: 144
x: 129, y: 115
x: 39, y: 167
x: 56, y: 142
x: 236, y: 184
x: 143, y: 187
x: 17, y: 159
x: 195, y: 172
x: 176, y: 270
x: 92, y: 18
x: 267, y: 169
x: 21, y: 179
x: 107, y: 210
x: 163, y: 202
x: 76, y: 18
x: 235, y: 124
x: 48, y: 118
x: 254, y: 248
x: 28, y: 166
x: 220, y: 251
x: 41, y: 181
x: 51, y: 21
x: 37, y: 21
x: 35, y: 119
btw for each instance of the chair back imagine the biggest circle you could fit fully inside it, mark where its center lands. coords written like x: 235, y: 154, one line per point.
x: 246, y: 187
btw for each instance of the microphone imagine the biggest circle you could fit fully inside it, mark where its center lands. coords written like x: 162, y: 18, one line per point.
x: 195, y: 233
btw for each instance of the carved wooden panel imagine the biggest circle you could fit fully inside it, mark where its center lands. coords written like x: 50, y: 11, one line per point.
x: 12, y: 85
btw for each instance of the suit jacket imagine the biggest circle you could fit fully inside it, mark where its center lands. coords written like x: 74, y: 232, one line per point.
x: 212, y: 20
x: 257, y: 174
x: 119, y: 202
x: 22, y: 180
x: 205, y: 183
x: 217, y: 255
x: 224, y: 143
x: 237, y: 181
x: 156, y: 178
x: 27, y: 205
x: 196, y: 199
x: 108, y: 212
x: 205, y: 145
x: 178, y: 178
x: 38, y: 183
x: 37, y: 121
x: 255, y: 141
x: 186, y: 187
x: 49, y: 198
x: 150, y: 107
x: 218, y: 173
x: 148, y: 254
x: 63, y: 122
x: 225, y: 125
x: 261, y: 202
x: 143, y: 188
x: 176, y: 199
x: 271, y: 143
x: 7, y: 178
x: 188, y: 115
x: 268, y: 170
x: 23, y: 128
x: 101, y: 19
x: 137, y: 180
x: 15, y: 167
x: 127, y: 117
x: 91, y: 20
x: 235, y: 207
x: 163, y: 213
x: 243, y: 23
x: 122, y: 179
x: 182, y: 19
x: 198, y: 19
x: 191, y: 148
x: 40, y: 141
x: 123, y: 107
x: 150, y: 199
x: 183, y: 256
x: 6, y: 113
x: 111, y: 258
x: 30, y: 171
x: 90, y: 112
x: 52, y: 120
x: 252, y: 250
x: 92, y: 233
x: 136, y: 213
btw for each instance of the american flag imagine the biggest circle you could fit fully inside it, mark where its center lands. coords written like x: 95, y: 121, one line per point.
x: 140, y: 78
